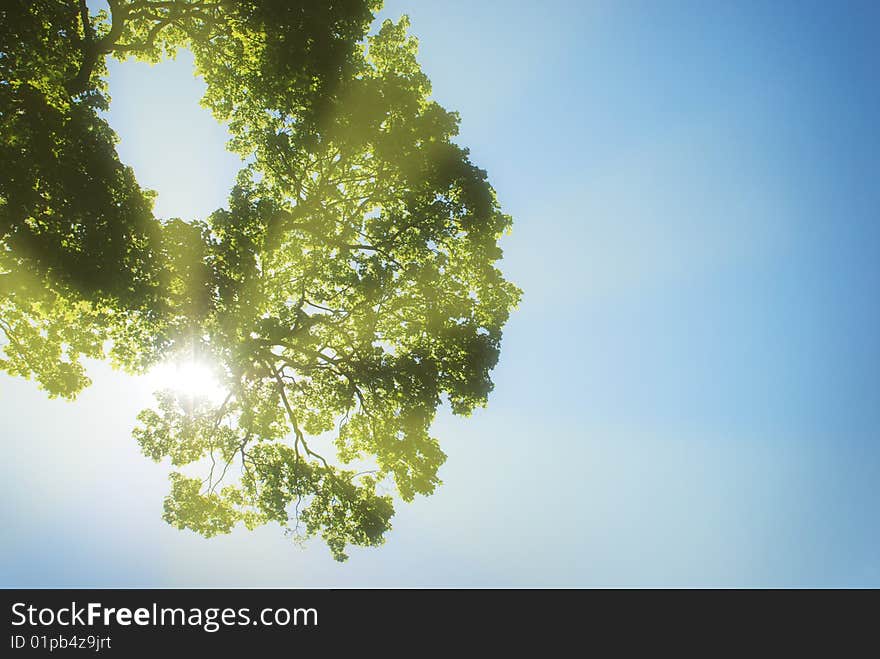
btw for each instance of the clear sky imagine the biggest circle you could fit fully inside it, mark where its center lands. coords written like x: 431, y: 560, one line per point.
x: 688, y: 393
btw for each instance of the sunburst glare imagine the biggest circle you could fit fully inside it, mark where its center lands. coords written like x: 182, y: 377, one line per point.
x: 187, y: 377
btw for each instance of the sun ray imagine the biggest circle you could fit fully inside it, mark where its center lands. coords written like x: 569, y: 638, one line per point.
x: 187, y: 377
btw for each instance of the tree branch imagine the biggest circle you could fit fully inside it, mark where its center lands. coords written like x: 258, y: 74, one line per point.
x: 93, y: 49
x: 299, y: 434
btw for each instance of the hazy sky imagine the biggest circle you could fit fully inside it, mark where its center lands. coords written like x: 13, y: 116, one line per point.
x: 686, y: 396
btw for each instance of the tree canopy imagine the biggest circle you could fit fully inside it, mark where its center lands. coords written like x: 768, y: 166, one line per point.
x: 349, y: 288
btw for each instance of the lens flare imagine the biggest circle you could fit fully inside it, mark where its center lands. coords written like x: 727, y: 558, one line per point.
x: 188, y: 378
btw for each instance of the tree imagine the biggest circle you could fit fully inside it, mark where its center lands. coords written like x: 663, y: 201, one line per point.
x: 349, y: 288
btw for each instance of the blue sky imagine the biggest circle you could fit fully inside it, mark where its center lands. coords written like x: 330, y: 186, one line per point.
x: 688, y: 392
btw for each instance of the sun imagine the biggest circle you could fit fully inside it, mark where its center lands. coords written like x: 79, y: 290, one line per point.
x: 188, y: 378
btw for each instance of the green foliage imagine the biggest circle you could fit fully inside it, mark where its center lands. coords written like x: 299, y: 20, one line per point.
x: 349, y: 288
